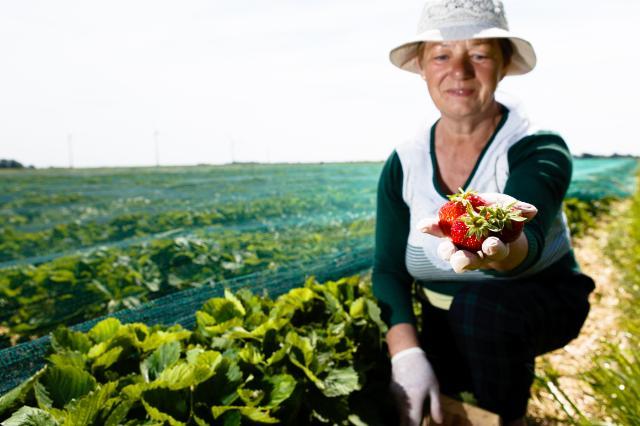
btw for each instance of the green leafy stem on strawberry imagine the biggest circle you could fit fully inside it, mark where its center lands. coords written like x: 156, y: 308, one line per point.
x: 469, y: 220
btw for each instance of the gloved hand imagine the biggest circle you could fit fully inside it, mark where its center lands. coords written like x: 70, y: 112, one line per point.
x: 495, y: 254
x: 413, y: 380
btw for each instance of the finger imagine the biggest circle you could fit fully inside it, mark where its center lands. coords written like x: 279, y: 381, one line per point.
x: 527, y: 210
x: 446, y: 249
x: 497, y: 198
x: 436, y: 409
x: 494, y: 249
x: 430, y: 226
x: 463, y: 260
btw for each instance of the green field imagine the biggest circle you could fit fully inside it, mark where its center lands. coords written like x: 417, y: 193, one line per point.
x: 153, y: 245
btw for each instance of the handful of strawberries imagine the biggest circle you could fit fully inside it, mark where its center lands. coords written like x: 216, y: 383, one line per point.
x: 469, y: 220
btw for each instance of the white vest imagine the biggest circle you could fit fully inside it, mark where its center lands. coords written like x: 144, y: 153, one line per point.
x: 490, y: 175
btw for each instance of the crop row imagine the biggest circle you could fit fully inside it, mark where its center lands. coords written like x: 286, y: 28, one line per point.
x: 15, y: 244
x: 68, y: 290
x: 35, y: 200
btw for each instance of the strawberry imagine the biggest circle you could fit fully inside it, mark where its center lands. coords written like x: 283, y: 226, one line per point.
x: 469, y: 231
x: 505, y: 222
x: 457, y: 206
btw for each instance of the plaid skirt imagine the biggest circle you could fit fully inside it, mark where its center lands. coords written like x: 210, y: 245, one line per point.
x: 486, y: 343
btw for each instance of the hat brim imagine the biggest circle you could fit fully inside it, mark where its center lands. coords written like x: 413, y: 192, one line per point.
x: 522, y: 61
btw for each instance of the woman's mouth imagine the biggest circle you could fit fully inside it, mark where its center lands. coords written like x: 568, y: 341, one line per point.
x: 460, y: 92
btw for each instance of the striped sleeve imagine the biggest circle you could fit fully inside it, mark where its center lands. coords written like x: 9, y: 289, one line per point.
x: 391, y: 280
x: 540, y: 168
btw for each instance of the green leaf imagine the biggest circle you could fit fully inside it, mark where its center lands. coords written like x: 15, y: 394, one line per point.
x: 119, y: 413
x: 18, y: 394
x: 159, y: 338
x: 42, y: 396
x: 97, y: 350
x: 29, y: 416
x: 208, y: 326
x: 64, y: 383
x: 282, y: 387
x: 156, y: 414
x: 62, y: 276
x: 84, y: 411
x: 105, y: 330
x: 302, y: 344
x: 271, y: 324
x: 236, y: 302
x: 108, y: 358
x: 65, y: 357
x: 357, y: 308
x: 163, y: 357
x: 193, y: 354
x: 66, y: 339
x: 251, y: 397
x: 276, y: 357
x: 221, y: 387
x: 374, y: 313
x: 341, y: 381
x: 307, y: 372
x: 238, y: 333
x: 251, y: 355
x: 256, y: 414
x: 222, y: 309
x: 185, y: 375
x: 292, y: 301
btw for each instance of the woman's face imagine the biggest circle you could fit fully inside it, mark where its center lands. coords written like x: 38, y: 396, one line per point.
x: 462, y: 76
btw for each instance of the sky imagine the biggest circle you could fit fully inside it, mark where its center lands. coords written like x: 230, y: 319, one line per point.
x: 88, y: 83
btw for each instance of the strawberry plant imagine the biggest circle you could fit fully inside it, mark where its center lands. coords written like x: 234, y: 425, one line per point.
x: 314, y: 355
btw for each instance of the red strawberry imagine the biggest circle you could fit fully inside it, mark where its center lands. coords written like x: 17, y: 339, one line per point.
x: 457, y: 206
x: 469, y: 231
x: 511, y: 231
x: 505, y: 222
x: 448, y: 213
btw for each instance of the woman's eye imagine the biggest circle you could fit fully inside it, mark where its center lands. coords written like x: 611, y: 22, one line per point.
x: 441, y: 57
x: 478, y: 57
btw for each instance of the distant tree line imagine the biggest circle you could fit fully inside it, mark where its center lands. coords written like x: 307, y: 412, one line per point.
x: 614, y: 155
x: 12, y: 164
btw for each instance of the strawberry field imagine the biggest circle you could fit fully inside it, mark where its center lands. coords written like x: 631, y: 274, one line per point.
x: 155, y: 249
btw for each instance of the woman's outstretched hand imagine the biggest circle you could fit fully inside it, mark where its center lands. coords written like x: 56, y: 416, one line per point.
x: 494, y: 254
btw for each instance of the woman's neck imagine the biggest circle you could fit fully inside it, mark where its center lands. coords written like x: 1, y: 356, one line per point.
x: 469, y: 131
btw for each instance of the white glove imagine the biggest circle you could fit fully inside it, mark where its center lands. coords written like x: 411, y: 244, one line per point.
x: 412, y: 380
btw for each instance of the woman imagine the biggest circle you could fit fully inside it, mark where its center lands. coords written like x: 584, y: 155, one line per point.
x: 485, y: 315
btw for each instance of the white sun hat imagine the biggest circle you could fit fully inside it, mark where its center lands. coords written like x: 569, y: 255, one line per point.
x: 445, y: 20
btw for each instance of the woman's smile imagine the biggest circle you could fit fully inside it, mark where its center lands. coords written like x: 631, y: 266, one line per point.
x: 460, y: 93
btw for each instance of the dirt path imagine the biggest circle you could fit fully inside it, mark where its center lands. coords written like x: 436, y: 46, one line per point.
x: 599, y: 326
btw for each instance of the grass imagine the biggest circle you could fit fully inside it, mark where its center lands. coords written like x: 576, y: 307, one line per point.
x: 609, y: 374
x: 615, y: 376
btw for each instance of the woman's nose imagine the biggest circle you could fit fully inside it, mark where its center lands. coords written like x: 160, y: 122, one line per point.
x: 461, y: 67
